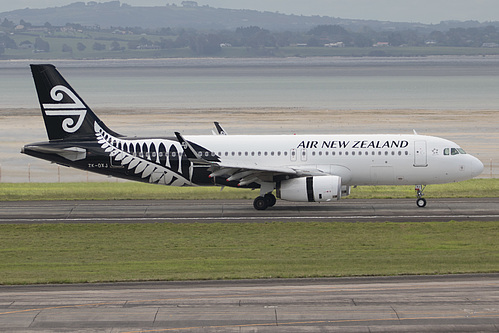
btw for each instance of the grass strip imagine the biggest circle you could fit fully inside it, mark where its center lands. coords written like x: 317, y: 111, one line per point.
x: 70, y: 253
x: 133, y: 190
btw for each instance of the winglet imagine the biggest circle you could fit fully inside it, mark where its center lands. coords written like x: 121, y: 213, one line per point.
x: 189, y: 151
x: 220, y: 130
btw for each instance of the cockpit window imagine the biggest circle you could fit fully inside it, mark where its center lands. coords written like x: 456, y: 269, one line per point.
x: 454, y: 151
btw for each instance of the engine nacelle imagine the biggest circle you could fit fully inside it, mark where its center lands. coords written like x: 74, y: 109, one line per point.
x: 309, y: 189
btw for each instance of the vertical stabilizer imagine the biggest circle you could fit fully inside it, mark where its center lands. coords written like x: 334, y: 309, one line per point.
x: 66, y: 115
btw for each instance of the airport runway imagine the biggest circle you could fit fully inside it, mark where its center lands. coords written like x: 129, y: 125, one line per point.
x: 466, y: 303
x: 459, y: 303
x: 239, y: 211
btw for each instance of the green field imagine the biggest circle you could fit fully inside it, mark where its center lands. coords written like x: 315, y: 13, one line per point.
x: 138, y: 191
x: 71, y: 253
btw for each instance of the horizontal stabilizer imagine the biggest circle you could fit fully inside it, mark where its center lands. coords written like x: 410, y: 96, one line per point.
x: 70, y: 153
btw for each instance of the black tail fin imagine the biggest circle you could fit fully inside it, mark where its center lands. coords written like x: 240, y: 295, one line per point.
x: 65, y: 114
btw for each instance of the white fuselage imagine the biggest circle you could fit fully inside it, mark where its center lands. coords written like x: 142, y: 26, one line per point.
x: 381, y: 159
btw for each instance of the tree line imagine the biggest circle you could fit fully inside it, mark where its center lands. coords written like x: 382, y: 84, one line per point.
x: 252, y: 37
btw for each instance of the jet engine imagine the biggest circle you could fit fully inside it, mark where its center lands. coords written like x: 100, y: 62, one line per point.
x: 308, y: 189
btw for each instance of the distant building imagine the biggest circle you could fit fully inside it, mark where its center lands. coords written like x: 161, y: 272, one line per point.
x: 490, y: 45
x: 337, y: 44
x: 189, y: 4
x: 381, y: 44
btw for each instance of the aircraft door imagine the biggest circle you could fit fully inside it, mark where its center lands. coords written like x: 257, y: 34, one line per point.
x: 420, y: 156
x: 292, y: 155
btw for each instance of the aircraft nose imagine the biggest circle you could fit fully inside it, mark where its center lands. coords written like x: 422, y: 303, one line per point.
x: 476, y: 167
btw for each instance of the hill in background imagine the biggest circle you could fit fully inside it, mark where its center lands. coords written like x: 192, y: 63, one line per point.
x: 114, y: 30
x: 190, y: 15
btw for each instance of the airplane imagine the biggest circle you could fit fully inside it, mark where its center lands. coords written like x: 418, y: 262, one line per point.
x: 300, y: 168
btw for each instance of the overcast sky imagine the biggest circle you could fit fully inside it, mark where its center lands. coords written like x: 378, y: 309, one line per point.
x: 425, y: 11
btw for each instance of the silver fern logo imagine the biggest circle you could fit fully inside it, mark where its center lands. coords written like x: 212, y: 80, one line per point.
x: 77, y: 108
x: 156, y: 159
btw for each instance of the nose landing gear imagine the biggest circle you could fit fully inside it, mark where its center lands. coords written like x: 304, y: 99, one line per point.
x: 420, y: 201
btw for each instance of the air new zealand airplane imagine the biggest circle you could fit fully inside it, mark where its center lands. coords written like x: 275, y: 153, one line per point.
x: 309, y: 168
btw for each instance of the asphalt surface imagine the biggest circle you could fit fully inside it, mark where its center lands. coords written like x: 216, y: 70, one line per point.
x: 462, y: 303
x: 458, y: 303
x: 239, y: 211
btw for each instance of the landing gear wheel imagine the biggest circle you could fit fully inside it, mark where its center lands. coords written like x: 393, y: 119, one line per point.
x: 421, y: 202
x: 260, y: 203
x: 271, y: 200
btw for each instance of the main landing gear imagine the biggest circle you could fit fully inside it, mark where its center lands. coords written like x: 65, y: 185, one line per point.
x: 262, y: 203
x: 420, y: 201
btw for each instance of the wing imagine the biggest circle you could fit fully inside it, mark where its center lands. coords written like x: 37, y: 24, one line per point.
x: 244, y: 173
